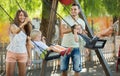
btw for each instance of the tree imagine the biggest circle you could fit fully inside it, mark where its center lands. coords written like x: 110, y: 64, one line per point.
x: 31, y: 6
x: 48, y: 19
x: 93, y: 7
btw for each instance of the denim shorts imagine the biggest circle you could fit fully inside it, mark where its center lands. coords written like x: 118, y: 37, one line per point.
x: 76, y: 61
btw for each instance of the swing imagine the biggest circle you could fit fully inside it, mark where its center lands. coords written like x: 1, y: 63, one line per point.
x: 41, y: 52
x: 47, y: 55
x: 94, y: 43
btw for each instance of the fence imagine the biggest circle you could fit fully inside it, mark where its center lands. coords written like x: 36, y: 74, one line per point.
x: 109, y: 52
x: 2, y: 58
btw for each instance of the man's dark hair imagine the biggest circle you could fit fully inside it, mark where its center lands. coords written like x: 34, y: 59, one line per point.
x: 74, y: 4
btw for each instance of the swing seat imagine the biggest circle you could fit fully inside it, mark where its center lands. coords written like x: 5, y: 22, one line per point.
x: 49, y: 55
x: 96, y: 44
x: 52, y: 55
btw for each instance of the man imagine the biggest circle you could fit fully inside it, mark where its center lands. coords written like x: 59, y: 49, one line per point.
x: 69, y: 41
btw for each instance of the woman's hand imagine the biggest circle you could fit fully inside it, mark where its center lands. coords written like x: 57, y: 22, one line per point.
x: 25, y: 22
x: 29, y: 62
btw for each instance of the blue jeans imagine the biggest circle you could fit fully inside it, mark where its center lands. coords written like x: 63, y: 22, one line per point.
x: 76, y: 61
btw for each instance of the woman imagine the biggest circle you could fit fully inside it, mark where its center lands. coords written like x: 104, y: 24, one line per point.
x: 18, y: 51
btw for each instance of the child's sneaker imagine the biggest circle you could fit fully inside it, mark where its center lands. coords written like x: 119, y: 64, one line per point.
x: 43, y: 54
x: 68, y: 51
x: 62, y: 53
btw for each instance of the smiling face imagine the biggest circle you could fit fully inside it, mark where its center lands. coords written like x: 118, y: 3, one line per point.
x: 21, y: 17
x: 74, y: 11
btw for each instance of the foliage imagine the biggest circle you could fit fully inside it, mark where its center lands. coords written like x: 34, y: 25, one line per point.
x: 93, y: 7
x: 33, y: 7
x: 63, y: 10
x: 4, y: 32
x: 112, y: 6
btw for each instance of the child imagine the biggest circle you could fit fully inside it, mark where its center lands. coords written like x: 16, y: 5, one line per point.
x: 41, y: 48
x: 77, y: 30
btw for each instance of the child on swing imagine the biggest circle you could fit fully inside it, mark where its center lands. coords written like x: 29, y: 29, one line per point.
x: 41, y: 48
x: 77, y: 30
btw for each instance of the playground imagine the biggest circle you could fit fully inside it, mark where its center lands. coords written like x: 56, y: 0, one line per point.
x: 100, y: 58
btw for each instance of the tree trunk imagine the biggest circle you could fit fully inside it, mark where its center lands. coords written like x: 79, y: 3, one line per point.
x: 45, y: 17
x: 48, y: 19
x: 47, y: 26
x: 52, y: 22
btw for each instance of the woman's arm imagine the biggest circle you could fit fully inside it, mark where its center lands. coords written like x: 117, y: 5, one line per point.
x: 29, y: 46
x: 14, y: 29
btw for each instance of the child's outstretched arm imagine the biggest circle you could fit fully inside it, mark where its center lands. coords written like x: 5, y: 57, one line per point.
x: 76, y: 35
x: 107, y: 31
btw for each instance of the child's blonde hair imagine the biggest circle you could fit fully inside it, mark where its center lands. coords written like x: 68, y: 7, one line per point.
x: 35, y: 33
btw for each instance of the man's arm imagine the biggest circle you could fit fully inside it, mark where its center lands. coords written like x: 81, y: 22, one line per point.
x: 65, y: 29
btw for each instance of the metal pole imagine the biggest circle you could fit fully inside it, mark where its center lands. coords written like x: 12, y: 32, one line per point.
x: 98, y: 52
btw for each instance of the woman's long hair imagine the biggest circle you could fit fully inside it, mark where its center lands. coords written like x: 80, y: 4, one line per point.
x: 27, y: 27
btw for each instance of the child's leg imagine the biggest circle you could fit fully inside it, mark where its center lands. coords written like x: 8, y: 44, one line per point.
x: 60, y: 47
x: 57, y: 48
x: 61, y: 50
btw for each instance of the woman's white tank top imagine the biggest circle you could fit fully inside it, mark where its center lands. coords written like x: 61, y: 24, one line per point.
x: 18, y: 43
